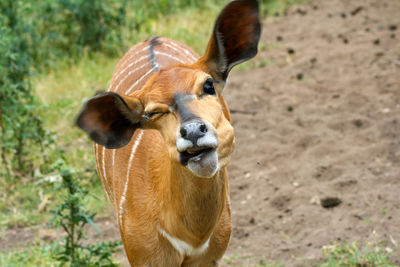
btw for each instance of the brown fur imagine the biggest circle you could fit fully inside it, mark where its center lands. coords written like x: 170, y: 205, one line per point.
x: 161, y: 192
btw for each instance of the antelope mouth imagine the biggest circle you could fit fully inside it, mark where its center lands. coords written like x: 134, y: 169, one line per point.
x: 194, y: 154
x: 201, y: 161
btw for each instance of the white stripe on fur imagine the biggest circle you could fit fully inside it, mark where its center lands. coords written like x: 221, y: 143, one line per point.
x: 130, y: 57
x: 113, y: 160
x: 123, y: 197
x: 138, y: 81
x: 170, y: 56
x: 128, y: 66
x: 105, y: 177
x: 187, y: 52
x: 96, y: 152
x: 129, y: 73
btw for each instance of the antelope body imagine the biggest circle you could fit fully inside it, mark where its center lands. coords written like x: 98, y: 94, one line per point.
x: 163, y: 139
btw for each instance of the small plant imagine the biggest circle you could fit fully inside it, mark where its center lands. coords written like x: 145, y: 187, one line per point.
x: 72, y: 217
x: 372, y: 253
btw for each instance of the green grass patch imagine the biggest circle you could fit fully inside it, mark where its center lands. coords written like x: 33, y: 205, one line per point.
x: 371, y: 253
x: 37, y: 254
x: 277, y: 7
x: 25, y: 205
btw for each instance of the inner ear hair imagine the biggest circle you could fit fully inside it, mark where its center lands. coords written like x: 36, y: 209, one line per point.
x: 110, y: 119
x: 235, y: 37
x: 131, y: 108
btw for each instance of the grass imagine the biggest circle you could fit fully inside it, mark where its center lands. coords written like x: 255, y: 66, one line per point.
x: 37, y: 254
x: 26, y: 205
x: 370, y: 253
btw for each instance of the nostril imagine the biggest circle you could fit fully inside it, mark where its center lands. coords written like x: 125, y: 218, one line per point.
x: 203, y: 128
x: 183, y: 132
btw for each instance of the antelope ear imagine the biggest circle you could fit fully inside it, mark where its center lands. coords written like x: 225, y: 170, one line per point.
x: 110, y: 119
x: 235, y: 38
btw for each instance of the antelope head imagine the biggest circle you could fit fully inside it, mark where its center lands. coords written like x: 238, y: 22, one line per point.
x: 183, y: 102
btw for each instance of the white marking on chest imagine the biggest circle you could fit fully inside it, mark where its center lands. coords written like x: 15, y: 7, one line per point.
x: 182, y: 247
x: 123, y: 197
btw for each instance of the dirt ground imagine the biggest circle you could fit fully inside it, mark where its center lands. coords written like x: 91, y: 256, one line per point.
x: 318, y: 125
x: 321, y: 120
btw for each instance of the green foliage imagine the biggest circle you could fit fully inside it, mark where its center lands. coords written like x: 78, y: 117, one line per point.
x: 55, y: 29
x: 21, y: 126
x: 72, y: 217
x: 37, y: 254
x: 275, y: 7
x: 373, y: 253
x: 66, y: 28
x: 32, y: 36
x: 146, y: 11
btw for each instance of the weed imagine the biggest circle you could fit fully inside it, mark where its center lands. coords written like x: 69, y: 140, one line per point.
x: 372, y: 253
x: 72, y: 217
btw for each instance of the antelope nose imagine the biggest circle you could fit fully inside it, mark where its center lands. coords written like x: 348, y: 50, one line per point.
x: 193, y: 130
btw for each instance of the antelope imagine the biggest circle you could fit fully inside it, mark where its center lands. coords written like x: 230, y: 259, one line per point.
x: 163, y: 138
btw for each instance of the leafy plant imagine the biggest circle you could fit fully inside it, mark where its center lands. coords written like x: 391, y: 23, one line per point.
x: 72, y: 217
x: 33, y: 36
x: 66, y: 28
x: 21, y: 126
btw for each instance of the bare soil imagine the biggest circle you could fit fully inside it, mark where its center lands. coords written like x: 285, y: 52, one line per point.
x: 318, y: 135
x: 319, y: 126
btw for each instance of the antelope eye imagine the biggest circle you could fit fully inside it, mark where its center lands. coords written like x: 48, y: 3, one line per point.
x: 208, y: 87
x: 149, y: 115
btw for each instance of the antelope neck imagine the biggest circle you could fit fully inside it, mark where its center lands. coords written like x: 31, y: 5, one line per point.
x: 194, y: 204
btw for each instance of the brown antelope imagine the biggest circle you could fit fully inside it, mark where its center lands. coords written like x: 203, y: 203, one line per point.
x: 164, y: 137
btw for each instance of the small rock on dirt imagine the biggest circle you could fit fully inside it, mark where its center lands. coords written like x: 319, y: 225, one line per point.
x: 358, y: 123
x: 300, y: 76
x: 330, y: 202
x: 291, y: 51
x: 356, y: 11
